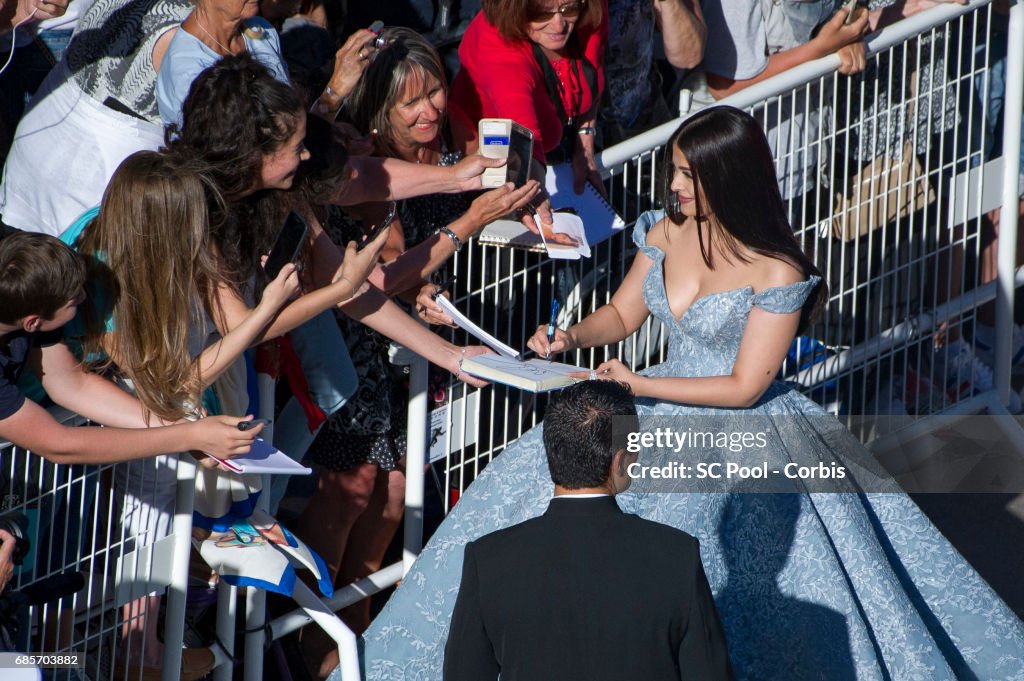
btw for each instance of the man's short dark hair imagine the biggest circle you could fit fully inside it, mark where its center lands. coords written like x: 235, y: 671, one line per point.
x: 584, y: 426
x: 39, y: 274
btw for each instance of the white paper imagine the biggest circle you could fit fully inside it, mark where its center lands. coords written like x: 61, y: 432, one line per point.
x: 465, y: 323
x: 567, y: 239
x: 263, y: 458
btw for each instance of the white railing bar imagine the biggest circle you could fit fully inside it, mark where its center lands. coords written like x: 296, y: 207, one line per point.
x: 353, y: 593
x: 886, y: 340
x: 1007, y: 253
x: 416, y: 459
x: 174, y: 620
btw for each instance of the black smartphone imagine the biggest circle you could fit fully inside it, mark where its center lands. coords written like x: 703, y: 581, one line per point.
x: 520, y: 154
x: 289, y: 243
x: 375, y: 231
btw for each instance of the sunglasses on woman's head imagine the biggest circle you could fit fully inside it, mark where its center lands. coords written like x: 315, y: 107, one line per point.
x: 569, y: 11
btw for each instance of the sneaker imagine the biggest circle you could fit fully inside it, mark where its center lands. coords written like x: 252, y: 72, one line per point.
x: 985, y: 344
x: 966, y: 375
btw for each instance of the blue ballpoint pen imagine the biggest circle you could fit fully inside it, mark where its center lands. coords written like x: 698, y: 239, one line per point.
x: 551, y: 325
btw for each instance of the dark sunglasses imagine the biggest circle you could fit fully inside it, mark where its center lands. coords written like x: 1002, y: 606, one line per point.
x: 569, y: 11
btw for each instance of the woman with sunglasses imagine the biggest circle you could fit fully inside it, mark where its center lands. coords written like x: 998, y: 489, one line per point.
x: 540, y: 63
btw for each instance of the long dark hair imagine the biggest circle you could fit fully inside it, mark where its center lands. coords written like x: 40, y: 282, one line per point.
x: 236, y: 112
x: 732, y: 166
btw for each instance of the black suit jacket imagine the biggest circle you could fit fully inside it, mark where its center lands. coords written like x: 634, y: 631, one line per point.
x: 585, y: 592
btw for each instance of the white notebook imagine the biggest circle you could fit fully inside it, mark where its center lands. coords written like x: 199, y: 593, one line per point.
x: 534, y: 375
x: 263, y: 458
x: 599, y: 219
x: 510, y: 233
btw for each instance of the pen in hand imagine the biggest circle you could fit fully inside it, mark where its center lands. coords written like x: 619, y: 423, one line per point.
x: 551, y: 326
x: 441, y: 288
x: 249, y: 425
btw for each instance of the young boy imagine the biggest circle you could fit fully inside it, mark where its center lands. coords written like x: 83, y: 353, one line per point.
x: 41, y: 283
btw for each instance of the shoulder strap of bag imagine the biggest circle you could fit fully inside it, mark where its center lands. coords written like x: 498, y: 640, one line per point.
x: 551, y: 78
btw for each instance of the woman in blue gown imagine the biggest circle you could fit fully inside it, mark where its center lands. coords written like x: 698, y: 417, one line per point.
x: 810, y: 585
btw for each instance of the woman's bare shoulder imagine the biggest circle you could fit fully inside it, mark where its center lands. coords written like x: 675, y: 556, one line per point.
x: 772, y: 272
x: 663, y: 234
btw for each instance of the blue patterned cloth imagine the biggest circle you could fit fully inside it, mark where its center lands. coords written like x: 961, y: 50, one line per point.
x: 808, y: 585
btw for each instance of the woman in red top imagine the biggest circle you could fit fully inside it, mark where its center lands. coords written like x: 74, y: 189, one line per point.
x: 540, y: 63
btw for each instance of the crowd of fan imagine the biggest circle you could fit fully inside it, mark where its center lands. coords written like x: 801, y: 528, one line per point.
x: 166, y: 142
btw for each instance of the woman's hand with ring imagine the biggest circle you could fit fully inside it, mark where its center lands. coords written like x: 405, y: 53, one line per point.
x: 612, y: 370
x: 427, y: 308
x: 349, y: 63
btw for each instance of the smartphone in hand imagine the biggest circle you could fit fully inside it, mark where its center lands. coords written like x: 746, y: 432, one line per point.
x: 376, y: 229
x: 287, y: 246
x: 506, y: 139
x: 851, y: 11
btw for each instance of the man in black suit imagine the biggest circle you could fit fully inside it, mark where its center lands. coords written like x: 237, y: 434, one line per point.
x: 586, y: 592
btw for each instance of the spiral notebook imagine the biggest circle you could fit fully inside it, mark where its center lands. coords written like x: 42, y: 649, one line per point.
x: 599, y: 219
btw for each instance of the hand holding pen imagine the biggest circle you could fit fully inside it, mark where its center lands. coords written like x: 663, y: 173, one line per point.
x: 545, y: 345
x: 552, y: 325
x: 426, y: 304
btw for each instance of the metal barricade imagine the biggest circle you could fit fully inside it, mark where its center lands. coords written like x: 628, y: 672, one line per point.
x: 103, y: 543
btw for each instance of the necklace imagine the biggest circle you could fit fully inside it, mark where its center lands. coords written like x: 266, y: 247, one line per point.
x: 202, y: 28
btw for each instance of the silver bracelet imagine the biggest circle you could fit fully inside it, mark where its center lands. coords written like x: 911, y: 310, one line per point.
x: 453, y: 236
x: 322, y: 108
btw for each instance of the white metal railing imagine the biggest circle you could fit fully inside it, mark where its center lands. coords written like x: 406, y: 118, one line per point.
x: 86, y: 569
x: 896, y: 293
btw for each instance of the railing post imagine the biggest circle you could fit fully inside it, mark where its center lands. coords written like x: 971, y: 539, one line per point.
x: 174, y: 620
x: 416, y: 451
x: 256, y: 599
x: 1007, y: 256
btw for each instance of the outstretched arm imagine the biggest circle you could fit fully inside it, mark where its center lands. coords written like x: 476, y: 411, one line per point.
x: 381, y: 314
x: 342, y: 277
x: 619, y: 319
x: 682, y: 31
x: 392, y: 179
x: 33, y: 428
x: 417, y: 263
x: 834, y: 35
x: 100, y: 400
x: 88, y: 394
x: 766, y: 339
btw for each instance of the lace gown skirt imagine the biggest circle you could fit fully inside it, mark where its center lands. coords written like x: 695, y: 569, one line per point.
x: 809, y: 586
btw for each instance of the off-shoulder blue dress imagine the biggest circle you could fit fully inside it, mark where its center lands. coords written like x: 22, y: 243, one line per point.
x: 811, y: 585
